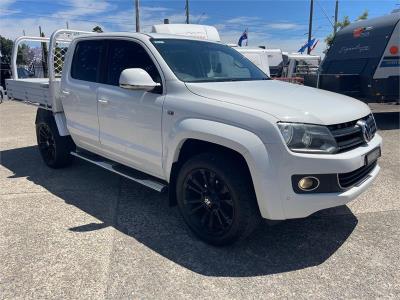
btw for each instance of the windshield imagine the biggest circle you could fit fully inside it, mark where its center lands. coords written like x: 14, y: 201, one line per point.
x: 199, y: 61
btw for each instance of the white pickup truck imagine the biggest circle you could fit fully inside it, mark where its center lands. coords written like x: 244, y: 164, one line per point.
x: 196, y: 117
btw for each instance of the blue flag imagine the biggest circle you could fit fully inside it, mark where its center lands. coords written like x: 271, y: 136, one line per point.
x: 308, y: 44
x: 243, y: 37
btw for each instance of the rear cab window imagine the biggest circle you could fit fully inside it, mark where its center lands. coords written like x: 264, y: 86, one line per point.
x: 86, y: 61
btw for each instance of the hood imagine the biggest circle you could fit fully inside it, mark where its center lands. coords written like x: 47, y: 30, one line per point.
x: 285, y: 101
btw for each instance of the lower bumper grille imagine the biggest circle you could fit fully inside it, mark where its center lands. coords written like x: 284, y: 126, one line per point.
x: 347, y: 180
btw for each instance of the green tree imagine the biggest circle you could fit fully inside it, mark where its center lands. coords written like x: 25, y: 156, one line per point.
x: 24, y: 51
x: 364, y: 16
x: 6, y: 48
x: 97, y: 29
x: 23, y: 54
x: 342, y: 24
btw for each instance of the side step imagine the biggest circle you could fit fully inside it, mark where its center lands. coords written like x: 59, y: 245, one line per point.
x: 132, y: 174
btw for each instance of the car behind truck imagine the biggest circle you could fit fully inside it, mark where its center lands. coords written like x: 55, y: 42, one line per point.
x: 198, y: 119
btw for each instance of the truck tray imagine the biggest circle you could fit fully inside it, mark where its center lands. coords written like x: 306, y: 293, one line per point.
x: 34, y: 91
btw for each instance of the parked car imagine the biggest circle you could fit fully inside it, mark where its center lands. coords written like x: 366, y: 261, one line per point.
x: 24, y: 73
x: 197, y: 118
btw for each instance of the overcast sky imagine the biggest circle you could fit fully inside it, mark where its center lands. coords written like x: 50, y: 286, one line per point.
x: 277, y: 24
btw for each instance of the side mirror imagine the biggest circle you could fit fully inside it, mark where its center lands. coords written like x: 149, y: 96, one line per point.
x: 136, y: 79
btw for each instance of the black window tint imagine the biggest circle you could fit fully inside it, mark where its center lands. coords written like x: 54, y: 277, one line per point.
x: 86, y: 60
x: 124, y: 55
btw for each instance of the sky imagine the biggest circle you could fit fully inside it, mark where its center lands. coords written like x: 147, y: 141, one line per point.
x: 274, y: 23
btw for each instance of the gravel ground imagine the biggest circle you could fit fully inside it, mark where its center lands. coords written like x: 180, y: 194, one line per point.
x: 83, y: 232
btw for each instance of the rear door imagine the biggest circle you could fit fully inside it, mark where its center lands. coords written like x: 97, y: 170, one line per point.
x: 79, y: 92
x: 130, y: 120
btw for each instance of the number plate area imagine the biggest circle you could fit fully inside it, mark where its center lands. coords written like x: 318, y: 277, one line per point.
x: 372, y: 156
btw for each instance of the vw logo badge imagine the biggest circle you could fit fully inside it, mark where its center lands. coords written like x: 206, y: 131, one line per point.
x: 366, y: 130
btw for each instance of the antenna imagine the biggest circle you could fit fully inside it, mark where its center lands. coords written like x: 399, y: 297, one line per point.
x: 137, y: 9
x: 187, y: 11
x: 310, y: 26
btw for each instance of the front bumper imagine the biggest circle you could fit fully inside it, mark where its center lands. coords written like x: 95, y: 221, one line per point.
x: 275, y: 194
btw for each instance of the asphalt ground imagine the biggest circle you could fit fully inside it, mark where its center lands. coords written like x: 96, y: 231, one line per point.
x: 85, y: 233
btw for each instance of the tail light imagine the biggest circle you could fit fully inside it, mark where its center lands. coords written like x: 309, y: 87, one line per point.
x: 394, y: 50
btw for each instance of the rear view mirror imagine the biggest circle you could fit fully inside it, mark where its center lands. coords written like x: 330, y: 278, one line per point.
x: 136, y: 79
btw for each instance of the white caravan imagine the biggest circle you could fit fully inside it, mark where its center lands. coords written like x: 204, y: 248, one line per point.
x: 257, y: 56
x: 203, y: 32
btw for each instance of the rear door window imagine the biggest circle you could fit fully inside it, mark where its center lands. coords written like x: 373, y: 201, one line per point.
x: 86, y: 61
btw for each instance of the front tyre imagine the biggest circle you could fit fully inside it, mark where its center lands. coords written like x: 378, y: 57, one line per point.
x: 216, y: 199
x: 54, y: 149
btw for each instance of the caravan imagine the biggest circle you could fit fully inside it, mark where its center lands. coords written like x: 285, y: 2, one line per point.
x: 364, y: 60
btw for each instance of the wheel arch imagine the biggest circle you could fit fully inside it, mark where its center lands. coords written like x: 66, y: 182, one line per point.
x: 195, y: 136
x: 44, y: 115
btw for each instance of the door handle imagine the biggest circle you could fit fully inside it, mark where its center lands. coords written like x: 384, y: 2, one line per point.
x: 65, y: 92
x: 103, y: 101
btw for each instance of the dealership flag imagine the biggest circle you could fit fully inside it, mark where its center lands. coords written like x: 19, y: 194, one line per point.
x: 243, y: 37
x: 308, y: 44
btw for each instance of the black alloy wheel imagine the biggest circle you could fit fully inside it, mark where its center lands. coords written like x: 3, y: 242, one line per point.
x: 46, y: 143
x: 216, y: 198
x: 54, y: 149
x: 208, y: 200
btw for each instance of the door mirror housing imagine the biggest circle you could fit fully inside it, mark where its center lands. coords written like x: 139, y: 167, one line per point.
x: 137, y: 79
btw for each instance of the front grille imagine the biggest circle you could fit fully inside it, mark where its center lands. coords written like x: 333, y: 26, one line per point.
x: 347, y: 180
x: 348, y: 135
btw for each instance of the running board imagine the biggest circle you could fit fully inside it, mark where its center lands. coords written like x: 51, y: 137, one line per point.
x: 132, y: 174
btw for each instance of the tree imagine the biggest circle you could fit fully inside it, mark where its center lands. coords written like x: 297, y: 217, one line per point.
x: 97, y: 29
x: 24, y: 54
x: 342, y: 24
x: 6, y: 48
x: 364, y: 16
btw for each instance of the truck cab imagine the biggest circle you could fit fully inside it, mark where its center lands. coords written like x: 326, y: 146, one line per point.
x: 196, y: 118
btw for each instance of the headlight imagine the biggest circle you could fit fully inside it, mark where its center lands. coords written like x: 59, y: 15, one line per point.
x: 308, y: 138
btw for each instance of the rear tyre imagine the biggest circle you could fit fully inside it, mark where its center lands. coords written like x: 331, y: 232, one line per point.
x: 217, y: 199
x: 54, y: 149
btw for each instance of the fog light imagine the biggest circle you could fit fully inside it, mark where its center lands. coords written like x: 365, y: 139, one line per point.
x: 308, y: 183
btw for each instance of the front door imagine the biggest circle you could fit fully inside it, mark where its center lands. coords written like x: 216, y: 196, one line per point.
x: 130, y: 120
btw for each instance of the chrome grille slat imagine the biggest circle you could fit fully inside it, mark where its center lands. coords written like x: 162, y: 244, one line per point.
x: 346, y: 131
x: 349, y: 135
